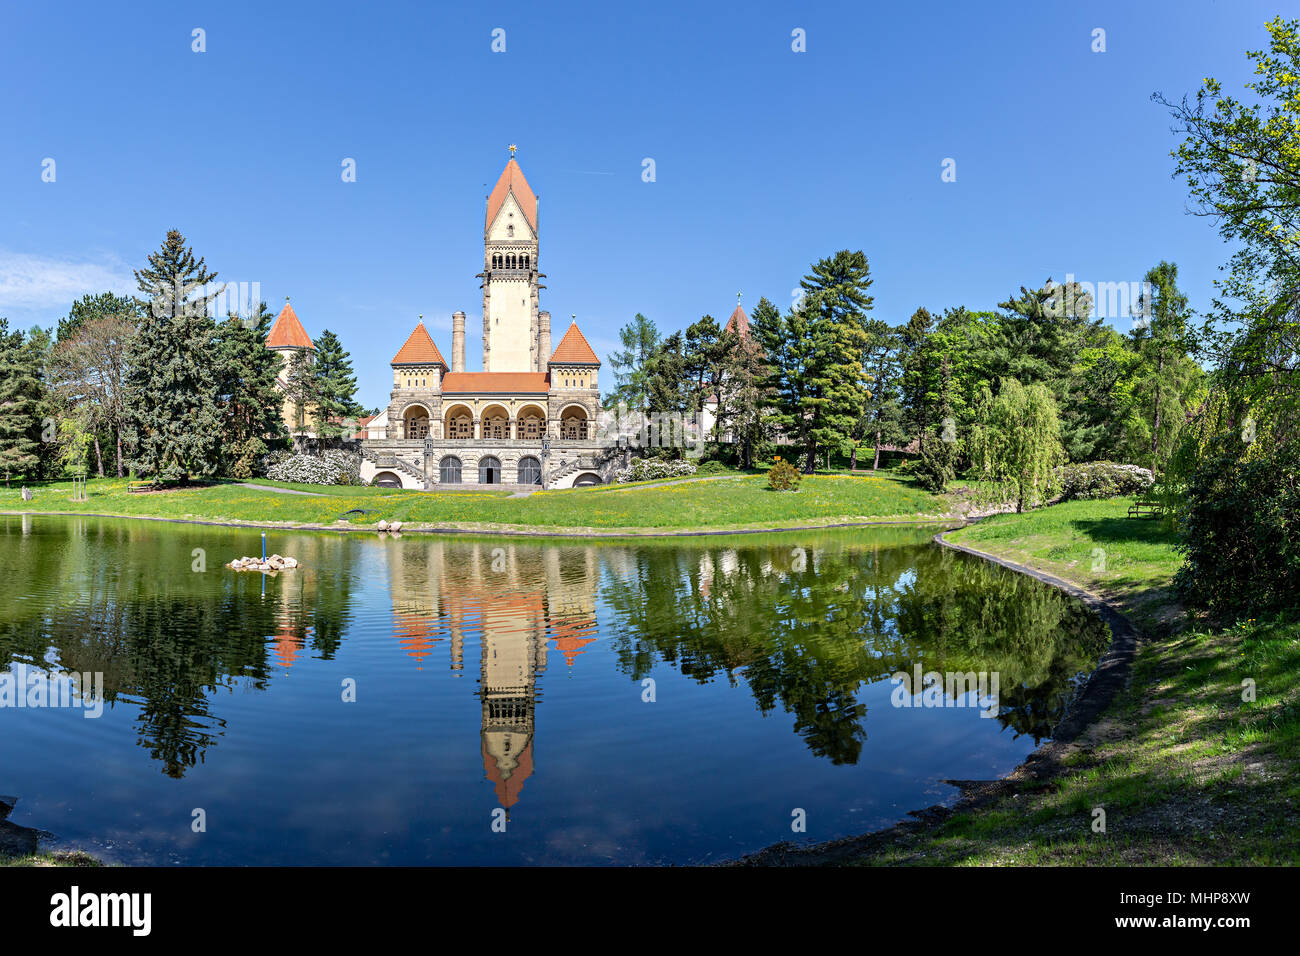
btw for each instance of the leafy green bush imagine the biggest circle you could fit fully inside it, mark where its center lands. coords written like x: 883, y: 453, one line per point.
x: 1240, y: 530
x: 783, y: 476
x: 1102, y: 479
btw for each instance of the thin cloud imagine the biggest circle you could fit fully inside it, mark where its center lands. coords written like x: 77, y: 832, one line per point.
x: 29, y: 283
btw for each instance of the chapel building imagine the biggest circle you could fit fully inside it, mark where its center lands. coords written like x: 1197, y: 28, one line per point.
x: 529, y: 417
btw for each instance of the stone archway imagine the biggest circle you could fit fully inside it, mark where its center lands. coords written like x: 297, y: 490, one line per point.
x: 530, y: 423
x: 415, y: 422
x: 575, y: 424
x: 489, y: 470
x: 458, y: 422
x: 494, y: 423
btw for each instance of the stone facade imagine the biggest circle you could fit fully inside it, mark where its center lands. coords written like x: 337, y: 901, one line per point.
x: 529, y: 418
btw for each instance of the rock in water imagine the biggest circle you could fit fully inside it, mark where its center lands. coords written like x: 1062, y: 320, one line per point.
x: 383, y: 525
x: 395, y: 526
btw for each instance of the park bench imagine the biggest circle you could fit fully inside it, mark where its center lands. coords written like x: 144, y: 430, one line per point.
x: 133, y: 486
x: 1143, y: 508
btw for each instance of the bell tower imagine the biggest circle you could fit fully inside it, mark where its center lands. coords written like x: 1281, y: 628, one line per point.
x: 511, y: 231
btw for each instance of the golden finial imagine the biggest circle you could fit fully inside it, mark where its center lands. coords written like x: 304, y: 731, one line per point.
x: 738, y: 295
x: 512, y: 147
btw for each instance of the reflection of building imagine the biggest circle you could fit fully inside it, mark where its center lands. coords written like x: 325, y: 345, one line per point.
x: 519, y: 600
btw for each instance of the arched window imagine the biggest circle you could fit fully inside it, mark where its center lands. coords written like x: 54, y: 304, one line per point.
x: 525, y: 263
x: 489, y: 470
x: 460, y: 426
x: 449, y: 470
x: 531, y: 426
x: 530, y: 471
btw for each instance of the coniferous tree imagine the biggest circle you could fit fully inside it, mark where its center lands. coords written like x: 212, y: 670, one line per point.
x: 640, y: 338
x: 22, y: 399
x: 173, y: 421
x: 251, y: 422
x: 333, y: 389
x: 834, y: 389
x: 299, y: 387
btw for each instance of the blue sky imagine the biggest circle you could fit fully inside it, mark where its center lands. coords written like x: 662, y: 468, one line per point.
x: 765, y: 159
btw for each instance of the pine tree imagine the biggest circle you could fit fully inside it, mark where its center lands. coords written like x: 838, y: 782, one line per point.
x: 640, y: 339
x: 299, y: 387
x: 173, y: 421
x: 333, y: 389
x: 21, y: 402
x: 251, y: 423
x: 834, y: 390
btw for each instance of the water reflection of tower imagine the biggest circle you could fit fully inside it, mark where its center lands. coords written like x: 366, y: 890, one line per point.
x: 518, y: 599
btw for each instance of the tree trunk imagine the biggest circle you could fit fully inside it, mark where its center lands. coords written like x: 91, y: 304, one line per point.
x: 875, y: 465
x: 811, y: 464
x: 853, y: 458
x: 119, y: 453
x: 99, y: 457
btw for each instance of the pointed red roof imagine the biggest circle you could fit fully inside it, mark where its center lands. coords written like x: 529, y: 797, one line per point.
x: 287, y: 332
x: 739, y: 322
x: 512, y: 181
x: 574, y: 350
x: 419, y: 349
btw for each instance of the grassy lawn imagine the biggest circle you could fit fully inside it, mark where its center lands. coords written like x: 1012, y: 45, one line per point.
x: 727, y: 503
x: 1185, y: 770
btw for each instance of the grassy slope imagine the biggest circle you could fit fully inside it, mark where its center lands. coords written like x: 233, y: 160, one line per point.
x: 739, y: 502
x: 1186, y: 772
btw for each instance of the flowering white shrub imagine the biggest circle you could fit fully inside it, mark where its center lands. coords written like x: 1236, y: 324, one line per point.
x: 348, y: 464
x: 1103, y: 479
x: 648, y: 469
x: 307, y: 469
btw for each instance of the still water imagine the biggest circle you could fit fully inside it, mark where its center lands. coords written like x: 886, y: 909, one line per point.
x: 669, y: 701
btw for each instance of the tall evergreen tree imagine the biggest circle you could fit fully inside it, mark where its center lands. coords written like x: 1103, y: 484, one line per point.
x: 251, y: 424
x: 640, y: 338
x: 299, y: 387
x: 22, y: 396
x: 815, y: 384
x: 333, y: 391
x: 173, y: 421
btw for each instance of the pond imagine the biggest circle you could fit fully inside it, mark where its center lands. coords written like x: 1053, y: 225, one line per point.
x: 430, y: 700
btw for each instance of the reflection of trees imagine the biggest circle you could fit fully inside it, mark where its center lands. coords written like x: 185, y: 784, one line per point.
x: 121, y: 599
x: 806, y: 625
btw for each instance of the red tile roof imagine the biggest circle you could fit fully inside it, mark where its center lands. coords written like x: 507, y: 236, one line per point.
x: 419, y: 349
x: 573, y: 349
x: 287, y: 332
x: 739, y: 322
x: 512, y: 181
x: 461, y: 382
